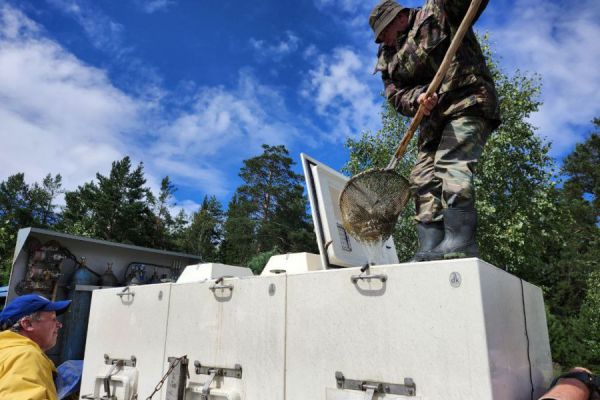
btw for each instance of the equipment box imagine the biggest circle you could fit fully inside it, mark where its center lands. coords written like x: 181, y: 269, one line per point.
x: 459, y: 329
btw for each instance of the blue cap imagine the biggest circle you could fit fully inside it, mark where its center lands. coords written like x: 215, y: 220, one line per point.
x: 28, y: 304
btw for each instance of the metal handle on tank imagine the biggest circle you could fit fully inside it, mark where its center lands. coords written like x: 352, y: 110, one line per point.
x: 126, y: 292
x: 218, y: 282
x: 356, y: 278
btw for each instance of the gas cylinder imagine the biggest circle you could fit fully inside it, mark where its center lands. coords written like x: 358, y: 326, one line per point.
x: 135, y: 274
x: 76, y: 318
x: 108, y: 278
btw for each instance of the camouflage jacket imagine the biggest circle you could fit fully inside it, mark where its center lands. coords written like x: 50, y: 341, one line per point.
x: 409, y: 67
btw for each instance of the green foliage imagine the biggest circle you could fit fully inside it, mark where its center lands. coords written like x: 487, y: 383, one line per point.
x: 7, y: 240
x: 515, y: 196
x: 574, y: 339
x: 259, y: 261
x: 23, y: 205
x: 573, y: 272
x: 164, y: 224
x: 268, y: 209
x: 276, y: 195
x: 583, y: 171
x: 205, y: 232
x: 266, y: 214
x: 375, y: 151
x: 29, y: 205
x: 116, y: 207
x: 589, y: 320
x: 239, y: 243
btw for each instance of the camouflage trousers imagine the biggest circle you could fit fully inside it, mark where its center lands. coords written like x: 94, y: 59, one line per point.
x: 443, y: 174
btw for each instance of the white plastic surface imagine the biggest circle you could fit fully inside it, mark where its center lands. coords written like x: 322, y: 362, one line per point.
x: 457, y: 328
x: 125, y: 326
x: 460, y: 329
x: 336, y: 246
x: 339, y: 394
x: 244, y: 325
x: 206, y: 271
x: 195, y: 393
x: 123, y: 383
x: 292, y: 263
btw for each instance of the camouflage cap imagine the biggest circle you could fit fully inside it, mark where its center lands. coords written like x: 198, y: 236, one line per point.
x: 382, y: 14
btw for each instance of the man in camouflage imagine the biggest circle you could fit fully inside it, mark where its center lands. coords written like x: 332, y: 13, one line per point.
x: 458, y: 118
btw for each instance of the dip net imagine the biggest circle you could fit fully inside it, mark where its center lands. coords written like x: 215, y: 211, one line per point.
x: 371, y: 203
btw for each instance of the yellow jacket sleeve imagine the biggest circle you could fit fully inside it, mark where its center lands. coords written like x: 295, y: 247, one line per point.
x: 27, y: 375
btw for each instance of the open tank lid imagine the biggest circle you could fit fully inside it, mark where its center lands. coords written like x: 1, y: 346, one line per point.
x: 336, y: 247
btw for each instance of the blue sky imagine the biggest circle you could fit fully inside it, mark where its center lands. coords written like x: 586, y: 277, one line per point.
x: 192, y: 88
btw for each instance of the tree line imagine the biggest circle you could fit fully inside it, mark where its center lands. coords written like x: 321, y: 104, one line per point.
x: 537, y: 220
x: 267, y: 213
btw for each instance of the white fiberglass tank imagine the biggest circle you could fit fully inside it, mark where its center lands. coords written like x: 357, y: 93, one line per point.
x: 235, y: 326
x: 292, y: 263
x: 206, y: 271
x: 459, y: 329
x: 124, y: 353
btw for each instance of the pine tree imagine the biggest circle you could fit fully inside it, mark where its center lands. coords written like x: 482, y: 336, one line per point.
x: 582, y: 168
x: 239, y: 233
x: 164, y: 224
x: 268, y: 210
x: 573, y: 273
x: 21, y: 206
x: 204, y: 235
x: 276, y: 193
x: 116, y: 208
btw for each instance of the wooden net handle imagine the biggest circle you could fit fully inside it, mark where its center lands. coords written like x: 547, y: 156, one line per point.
x: 437, y: 80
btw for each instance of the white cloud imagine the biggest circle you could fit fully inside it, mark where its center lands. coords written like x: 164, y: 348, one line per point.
x: 560, y: 42
x: 227, y: 125
x: 339, y: 87
x: 276, y: 51
x: 103, y: 32
x: 58, y: 115
x: 107, y: 35
x: 348, y: 6
x: 188, y: 206
x: 152, y: 6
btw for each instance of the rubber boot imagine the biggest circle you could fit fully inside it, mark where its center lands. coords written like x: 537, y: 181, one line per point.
x: 430, y: 235
x: 459, y: 235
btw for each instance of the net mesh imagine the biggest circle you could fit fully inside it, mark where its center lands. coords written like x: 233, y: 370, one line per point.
x: 371, y: 203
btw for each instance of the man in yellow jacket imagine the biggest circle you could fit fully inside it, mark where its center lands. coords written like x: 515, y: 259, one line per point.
x: 29, y: 327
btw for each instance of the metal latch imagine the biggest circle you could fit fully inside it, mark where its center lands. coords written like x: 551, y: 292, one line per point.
x: 126, y: 292
x: 372, y: 387
x: 120, y: 361
x: 363, y: 276
x: 213, y: 372
x: 219, y: 284
x: 116, y: 364
x: 356, y: 278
